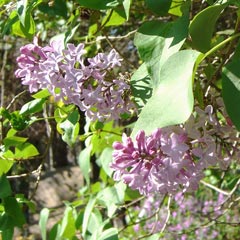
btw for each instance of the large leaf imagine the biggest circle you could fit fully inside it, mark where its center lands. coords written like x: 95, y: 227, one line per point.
x: 105, y: 160
x: 70, y: 128
x: 114, y: 18
x: 141, y: 86
x: 14, y: 211
x: 112, y: 197
x: 22, y: 10
x: 59, y: 8
x: 231, y: 90
x: 84, y: 163
x: 5, y: 166
x: 68, y: 228
x: 156, y: 41
x: 109, y: 234
x: 87, y: 215
x: 25, y: 150
x: 126, y: 6
x: 179, y: 7
x: 33, y: 106
x: 172, y: 102
x: 159, y: 7
x: 203, y: 25
x: 26, y: 30
x: 44, y: 214
x: 5, y: 187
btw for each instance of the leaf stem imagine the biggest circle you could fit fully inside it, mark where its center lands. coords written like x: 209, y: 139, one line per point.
x: 220, y: 45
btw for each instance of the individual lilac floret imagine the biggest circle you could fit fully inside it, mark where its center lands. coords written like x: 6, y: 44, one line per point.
x: 69, y: 77
x: 160, y: 162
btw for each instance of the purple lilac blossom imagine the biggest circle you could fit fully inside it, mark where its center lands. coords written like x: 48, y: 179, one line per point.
x: 188, y: 213
x: 173, y: 159
x: 92, y: 86
x: 161, y: 162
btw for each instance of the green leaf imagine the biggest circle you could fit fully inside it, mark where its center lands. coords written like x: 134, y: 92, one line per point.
x: 54, y: 232
x: 14, y: 211
x: 105, y: 159
x: 44, y: 214
x: 114, y: 18
x: 84, y: 163
x: 5, y: 187
x: 33, y: 106
x: 42, y: 94
x: 87, y: 215
x: 13, y: 141
x: 179, y: 7
x: 5, y: 166
x: 98, y: 4
x: 112, y: 197
x: 22, y: 10
x: 126, y: 6
x: 25, y: 150
x: 105, y: 138
x: 70, y: 128
x: 7, y: 234
x: 109, y: 234
x: 68, y: 224
x: 141, y: 86
x: 202, y: 27
x: 231, y: 90
x: 159, y: 7
x: 172, y: 102
x: 18, y: 121
x: 156, y: 41
x: 95, y: 222
x: 59, y: 8
x: 27, y: 30
x: 12, y: 19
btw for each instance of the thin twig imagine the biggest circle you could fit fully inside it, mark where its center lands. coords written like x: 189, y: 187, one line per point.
x: 15, y: 98
x: 168, y: 214
x: 24, y: 174
x: 100, y: 38
x: 214, y: 188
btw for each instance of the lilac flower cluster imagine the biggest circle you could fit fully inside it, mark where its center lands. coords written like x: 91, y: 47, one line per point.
x: 161, y: 162
x: 187, y: 213
x: 88, y: 83
x: 173, y: 159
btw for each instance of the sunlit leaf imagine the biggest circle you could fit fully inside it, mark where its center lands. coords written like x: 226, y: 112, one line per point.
x: 87, y: 215
x: 156, y: 41
x: 179, y: 7
x: 172, y: 102
x: 25, y: 150
x: 44, y: 214
x: 203, y: 25
x: 70, y: 128
x: 84, y: 163
x: 141, y: 86
x: 231, y: 90
x: 33, y: 106
x: 110, y: 234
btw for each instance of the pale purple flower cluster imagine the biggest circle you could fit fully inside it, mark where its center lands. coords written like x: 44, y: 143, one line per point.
x: 173, y: 159
x: 188, y: 213
x: 161, y: 162
x: 88, y: 83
